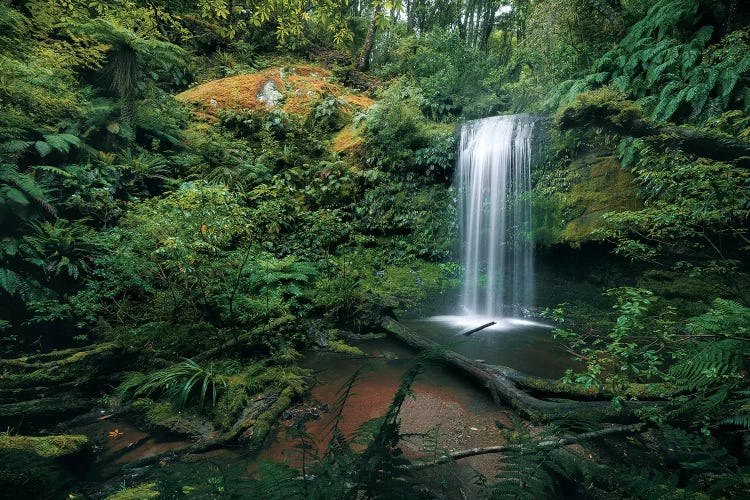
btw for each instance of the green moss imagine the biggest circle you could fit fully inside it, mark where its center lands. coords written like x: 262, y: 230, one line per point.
x: 344, y: 348
x: 44, y: 410
x: 265, y: 420
x: 260, y: 378
x: 231, y: 403
x: 604, y: 187
x: 46, y: 446
x: 597, y: 107
x: 140, y: 492
x: 164, y: 416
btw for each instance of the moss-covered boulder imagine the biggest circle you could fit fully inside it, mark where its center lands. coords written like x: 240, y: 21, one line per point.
x: 139, y: 492
x: 165, y: 417
x: 306, y: 91
x: 568, y: 205
x: 603, y: 186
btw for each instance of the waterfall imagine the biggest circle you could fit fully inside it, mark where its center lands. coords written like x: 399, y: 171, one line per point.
x: 493, y: 180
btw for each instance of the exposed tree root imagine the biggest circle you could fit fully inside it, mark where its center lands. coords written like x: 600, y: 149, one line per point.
x: 40, y: 389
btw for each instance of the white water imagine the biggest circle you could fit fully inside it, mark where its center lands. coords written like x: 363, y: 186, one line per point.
x: 493, y: 179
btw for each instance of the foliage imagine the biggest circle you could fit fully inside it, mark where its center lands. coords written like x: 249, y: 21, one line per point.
x: 449, y: 73
x: 693, y: 203
x: 695, y: 80
x: 400, y: 139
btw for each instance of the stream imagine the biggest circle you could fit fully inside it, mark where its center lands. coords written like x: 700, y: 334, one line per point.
x: 445, y: 403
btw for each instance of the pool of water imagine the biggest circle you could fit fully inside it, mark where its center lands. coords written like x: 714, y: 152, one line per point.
x: 522, y: 344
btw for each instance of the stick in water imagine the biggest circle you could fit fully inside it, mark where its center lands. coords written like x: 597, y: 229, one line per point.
x: 475, y: 330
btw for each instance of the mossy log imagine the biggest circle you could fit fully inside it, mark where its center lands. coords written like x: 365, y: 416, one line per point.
x: 51, y: 373
x: 255, y: 434
x: 507, y: 386
x: 47, y: 446
x: 251, y: 428
x: 58, y: 358
x: 41, y: 389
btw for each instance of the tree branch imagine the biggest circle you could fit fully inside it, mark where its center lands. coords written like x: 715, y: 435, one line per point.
x: 552, y: 443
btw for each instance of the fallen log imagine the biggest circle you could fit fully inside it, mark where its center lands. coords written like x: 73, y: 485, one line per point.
x: 503, y: 385
x: 43, y: 411
x: 479, y: 328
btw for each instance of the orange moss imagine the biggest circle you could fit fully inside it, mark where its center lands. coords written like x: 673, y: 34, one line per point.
x: 347, y: 141
x: 361, y: 101
x: 301, y: 85
x: 302, y: 91
x: 234, y: 92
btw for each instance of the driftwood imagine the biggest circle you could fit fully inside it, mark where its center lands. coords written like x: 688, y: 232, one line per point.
x: 507, y: 386
x: 479, y: 328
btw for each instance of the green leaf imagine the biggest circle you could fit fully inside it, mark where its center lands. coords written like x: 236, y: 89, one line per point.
x: 43, y: 148
x: 8, y: 280
x: 15, y: 195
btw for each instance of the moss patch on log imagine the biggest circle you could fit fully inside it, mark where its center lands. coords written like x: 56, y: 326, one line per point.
x: 46, y: 446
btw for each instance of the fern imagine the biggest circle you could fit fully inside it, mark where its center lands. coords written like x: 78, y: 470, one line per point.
x: 712, y: 365
x: 726, y: 317
x: 178, y: 382
x: 666, y: 70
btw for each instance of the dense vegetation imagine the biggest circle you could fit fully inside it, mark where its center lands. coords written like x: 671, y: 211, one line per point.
x: 193, y: 193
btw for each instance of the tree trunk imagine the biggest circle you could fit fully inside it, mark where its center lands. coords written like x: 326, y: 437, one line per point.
x: 364, y: 58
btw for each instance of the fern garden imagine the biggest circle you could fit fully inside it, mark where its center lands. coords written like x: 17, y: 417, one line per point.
x: 231, y: 233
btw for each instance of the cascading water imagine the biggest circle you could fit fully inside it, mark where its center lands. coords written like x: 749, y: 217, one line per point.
x: 493, y: 179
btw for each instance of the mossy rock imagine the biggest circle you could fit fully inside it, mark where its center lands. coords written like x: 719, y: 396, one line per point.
x: 342, y: 347
x: 47, y: 446
x: 40, y: 467
x: 596, y: 107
